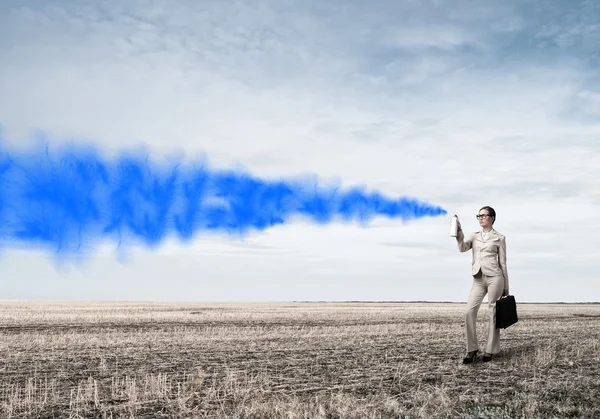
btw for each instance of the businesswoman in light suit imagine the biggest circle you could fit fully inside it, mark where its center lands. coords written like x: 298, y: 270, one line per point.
x: 490, y: 277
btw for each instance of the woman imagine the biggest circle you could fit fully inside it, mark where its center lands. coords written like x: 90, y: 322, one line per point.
x: 489, y: 277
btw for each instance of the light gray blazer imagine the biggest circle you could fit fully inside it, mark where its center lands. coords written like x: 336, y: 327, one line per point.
x: 488, y: 256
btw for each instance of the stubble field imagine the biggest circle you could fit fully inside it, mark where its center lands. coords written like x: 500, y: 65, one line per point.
x: 292, y: 360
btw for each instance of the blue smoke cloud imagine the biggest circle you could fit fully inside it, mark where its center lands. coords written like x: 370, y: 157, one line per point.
x: 66, y: 201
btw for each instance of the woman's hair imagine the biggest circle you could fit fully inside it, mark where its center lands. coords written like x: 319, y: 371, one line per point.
x: 491, y: 212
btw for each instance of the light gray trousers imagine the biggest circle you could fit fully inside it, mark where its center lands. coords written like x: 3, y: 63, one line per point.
x: 493, y: 286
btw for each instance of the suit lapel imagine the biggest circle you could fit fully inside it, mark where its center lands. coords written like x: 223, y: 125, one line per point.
x: 492, y: 237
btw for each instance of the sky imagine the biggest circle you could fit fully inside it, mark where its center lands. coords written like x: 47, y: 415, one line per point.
x: 458, y: 104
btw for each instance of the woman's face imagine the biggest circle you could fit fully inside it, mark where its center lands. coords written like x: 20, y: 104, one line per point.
x: 485, y: 221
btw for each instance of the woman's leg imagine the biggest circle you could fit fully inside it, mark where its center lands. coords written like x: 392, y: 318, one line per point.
x: 478, y: 291
x: 495, y: 288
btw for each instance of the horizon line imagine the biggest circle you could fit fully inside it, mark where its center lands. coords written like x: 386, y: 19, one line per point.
x: 278, y: 301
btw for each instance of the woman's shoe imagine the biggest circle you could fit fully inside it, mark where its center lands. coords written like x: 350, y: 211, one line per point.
x: 470, y: 357
x: 486, y: 357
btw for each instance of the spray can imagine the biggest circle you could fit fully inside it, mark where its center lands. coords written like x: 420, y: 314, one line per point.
x: 454, y: 226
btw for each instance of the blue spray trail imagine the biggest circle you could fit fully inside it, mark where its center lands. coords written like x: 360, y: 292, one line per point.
x: 67, y: 200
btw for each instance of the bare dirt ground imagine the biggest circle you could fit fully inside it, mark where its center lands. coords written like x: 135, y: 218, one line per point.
x: 292, y: 360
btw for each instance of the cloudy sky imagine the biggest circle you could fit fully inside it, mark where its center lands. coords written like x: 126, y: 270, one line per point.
x: 461, y: 104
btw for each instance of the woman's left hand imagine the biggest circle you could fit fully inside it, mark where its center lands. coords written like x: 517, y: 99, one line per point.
x: 505, y: 293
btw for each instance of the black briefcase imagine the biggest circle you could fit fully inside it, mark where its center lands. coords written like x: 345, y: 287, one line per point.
x: 506, y: 312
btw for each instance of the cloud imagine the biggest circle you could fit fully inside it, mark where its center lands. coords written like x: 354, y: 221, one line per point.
x: 65, y: 199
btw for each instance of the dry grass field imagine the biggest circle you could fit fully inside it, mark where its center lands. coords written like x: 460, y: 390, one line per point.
x: 292, y: 360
